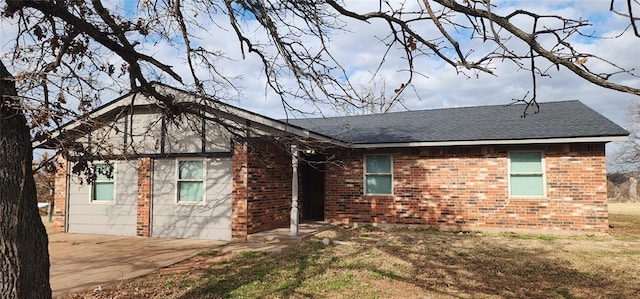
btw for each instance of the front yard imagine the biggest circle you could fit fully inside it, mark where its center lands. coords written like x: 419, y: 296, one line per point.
x: 370, y: 262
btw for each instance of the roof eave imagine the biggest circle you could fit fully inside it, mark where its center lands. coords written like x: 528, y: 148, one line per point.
x: 595, y: 139
x: 50, y: 143
x: 265, y: 121
x: 126, y: 101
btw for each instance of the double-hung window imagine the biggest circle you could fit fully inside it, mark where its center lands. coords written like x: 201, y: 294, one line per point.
x: 190, y: 181
x: 103, y: 186
x: 526, y: 174
x: 378, y: 174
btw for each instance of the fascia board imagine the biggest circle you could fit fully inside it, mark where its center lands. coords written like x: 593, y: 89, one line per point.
x: 493, y: 142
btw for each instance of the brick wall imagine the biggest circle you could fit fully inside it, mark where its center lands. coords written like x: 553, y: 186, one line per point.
x: 60, y: 195
x: 239, y: 194
x: 466, y: 188
x: 144, y: 197
x: 269, y: 187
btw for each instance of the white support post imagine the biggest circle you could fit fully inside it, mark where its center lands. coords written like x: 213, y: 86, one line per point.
x: 294, y: 192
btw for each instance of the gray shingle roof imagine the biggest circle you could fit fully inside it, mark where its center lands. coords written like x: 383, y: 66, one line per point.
x: 568, y: 119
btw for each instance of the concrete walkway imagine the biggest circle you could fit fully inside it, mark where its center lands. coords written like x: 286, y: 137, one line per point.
x: 85, y: 262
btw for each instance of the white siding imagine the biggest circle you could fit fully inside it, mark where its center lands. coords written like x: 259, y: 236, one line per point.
x: 108, y: 218
x: 184, y: 136
x: 144, y: 133
x: 218, y: 139
x: 109, y: 138
x: 208, y: 220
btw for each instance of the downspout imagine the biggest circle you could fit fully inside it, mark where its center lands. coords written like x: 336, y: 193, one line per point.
x: 66, y: 198
x: 294, y: 192
x: 151, y: 197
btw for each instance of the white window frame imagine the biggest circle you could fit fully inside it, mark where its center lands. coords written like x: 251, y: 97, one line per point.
x: 544, y: 174
x: 365, y: 173
x: 112, y: 181
x: 178, y: 180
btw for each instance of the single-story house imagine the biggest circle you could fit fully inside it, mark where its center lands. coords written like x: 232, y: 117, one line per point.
x: 220, y: 172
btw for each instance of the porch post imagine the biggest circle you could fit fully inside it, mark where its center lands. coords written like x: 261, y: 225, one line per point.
x: 294, y: 191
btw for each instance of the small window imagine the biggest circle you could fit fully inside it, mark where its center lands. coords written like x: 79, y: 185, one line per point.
x: 103, y: 189
x: 190, y: 181
x: 526, y: 174
x: 378, y: 174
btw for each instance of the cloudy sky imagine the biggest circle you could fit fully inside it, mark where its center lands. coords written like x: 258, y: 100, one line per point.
x: 360, y: 52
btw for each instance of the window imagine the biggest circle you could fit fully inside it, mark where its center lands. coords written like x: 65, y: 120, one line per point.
x: 103, y: 189
x: 190, y: 181
x: 526, y: 174
x: 378, y: 176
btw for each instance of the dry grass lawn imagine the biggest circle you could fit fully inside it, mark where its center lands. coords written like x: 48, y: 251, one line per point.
x: 626, y: 208
x: 370, y: 262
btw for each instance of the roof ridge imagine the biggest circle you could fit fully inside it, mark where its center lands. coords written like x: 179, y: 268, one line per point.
x: 429, y: 109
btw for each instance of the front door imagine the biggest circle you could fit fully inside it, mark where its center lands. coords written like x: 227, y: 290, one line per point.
x: 313, y: 191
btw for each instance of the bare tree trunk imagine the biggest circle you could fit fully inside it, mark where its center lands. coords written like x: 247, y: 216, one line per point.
x: 633, y: 189
x: 24, y: 256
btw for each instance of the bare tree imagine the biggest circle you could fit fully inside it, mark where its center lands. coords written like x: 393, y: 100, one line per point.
x: 627, y: 157
x: 374, y: 97
x: 66, y: 54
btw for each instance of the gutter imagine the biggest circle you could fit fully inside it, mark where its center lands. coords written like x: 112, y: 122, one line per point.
x: 492, y: 142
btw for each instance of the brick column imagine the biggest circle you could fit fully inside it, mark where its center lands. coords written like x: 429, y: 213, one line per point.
x: 60, y: 195
x: 144, y: 197
x: 239, y: 214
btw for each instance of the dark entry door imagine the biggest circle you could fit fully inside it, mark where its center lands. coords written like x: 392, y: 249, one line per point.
x: 313, y: 192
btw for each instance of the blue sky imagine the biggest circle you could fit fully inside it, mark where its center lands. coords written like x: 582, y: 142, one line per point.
x: 129, y: 7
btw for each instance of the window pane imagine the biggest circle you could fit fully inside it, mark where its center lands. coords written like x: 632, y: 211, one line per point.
x: 527, y: 185
x: 526, y: 162
x: 190, y: 170
x: 378, y: 164
x: 103, y: 172
x: 190, y: 191
x: 102, y: 191
x: 378, y: 184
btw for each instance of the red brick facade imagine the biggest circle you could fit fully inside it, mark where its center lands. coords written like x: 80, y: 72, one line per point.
x: 144, y: 197
x: 461, y: 188
x: 239, y: 170
x: 466, y: 188
x: 60, y: 195
x: 261, y: 197
x: 269, y: 187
